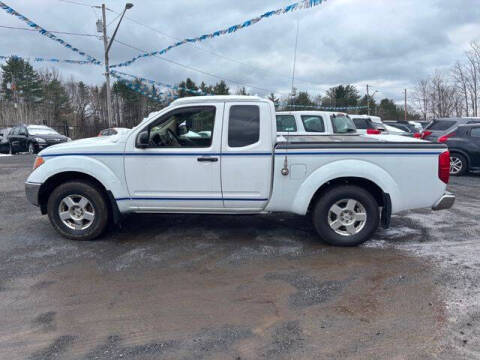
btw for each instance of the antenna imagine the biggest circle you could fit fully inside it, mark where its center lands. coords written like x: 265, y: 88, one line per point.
x: 294, y: 65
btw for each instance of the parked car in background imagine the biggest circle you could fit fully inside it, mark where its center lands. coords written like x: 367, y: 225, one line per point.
x: 33, y: 138
x: 113, y: 131
x: 313, y: 123
x: 464, y: 146
x: 4, y: 147
x: 403, y: 126
x: 439, y: 127
x: 373, y: 125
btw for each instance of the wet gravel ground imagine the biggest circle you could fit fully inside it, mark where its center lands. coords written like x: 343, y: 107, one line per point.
x: 238, y: 287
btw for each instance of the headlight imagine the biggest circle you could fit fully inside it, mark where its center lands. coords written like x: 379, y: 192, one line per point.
x: 68, y: 139
x: 38, y: 161
x: 40, y: 140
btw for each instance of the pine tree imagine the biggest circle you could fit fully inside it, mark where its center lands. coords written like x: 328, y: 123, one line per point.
x: 21, y: 81
x: 221, y: 88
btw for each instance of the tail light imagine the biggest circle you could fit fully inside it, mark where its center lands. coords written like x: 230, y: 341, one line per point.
x: 373, y: 132
x: 417, y: 136
x: 426, y: 133
x: 444, y: 138
x: 444, y: 166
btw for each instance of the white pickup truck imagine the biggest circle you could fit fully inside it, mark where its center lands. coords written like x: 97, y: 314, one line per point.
x: 347, y: 183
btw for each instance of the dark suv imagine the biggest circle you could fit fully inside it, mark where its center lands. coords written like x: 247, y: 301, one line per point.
x: 464, y: 146
x: 33, y: 138
x: 4, y: 140
x: 439, y: 127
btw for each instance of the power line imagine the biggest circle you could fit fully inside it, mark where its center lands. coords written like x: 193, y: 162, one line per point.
x: 198, y: 46
x: 54, y: 32
x: 191, y: 68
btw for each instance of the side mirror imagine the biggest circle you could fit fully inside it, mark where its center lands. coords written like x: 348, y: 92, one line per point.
x: 182, y: 130
x: 142, y: 140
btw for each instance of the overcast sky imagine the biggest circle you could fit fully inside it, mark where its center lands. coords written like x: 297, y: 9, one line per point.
x: 389, y: 44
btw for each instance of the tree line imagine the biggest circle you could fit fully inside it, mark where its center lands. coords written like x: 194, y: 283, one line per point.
x: 454, y: 92
x: 80, y: 110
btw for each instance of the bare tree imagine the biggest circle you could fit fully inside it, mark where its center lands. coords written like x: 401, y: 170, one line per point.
x: 421, y: 96
x: 459, y: 74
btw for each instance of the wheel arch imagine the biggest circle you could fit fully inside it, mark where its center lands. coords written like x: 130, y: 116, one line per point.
x: 354, y: 172
x: 461, y: 152
x: 62, y: 177
x: 368, y: 185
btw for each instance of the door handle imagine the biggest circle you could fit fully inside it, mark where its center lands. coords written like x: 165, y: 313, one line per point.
x: 207, y: 159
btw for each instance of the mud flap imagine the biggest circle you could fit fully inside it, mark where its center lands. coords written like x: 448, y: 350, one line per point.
x: 116, y: 215
x: 386, y: 211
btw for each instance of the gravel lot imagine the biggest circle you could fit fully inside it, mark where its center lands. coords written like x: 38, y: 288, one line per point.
x: 238, y: 287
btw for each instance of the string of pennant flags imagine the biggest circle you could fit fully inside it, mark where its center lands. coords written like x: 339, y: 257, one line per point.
x: 158, y: 83
x: 48, y: 34
x: 327, y: 108
x: 54, y: 60
x: 140, y: 87
x: 304, y: 4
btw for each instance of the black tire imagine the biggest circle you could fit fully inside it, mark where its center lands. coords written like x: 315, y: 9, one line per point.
x: 320, y: 215
x: 32, y: 148
x: 97, y: 200
x: 11, y: 150
x: 462, y: 160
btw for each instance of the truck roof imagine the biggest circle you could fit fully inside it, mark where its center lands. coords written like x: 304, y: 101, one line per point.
x: 310, y: 112
x: 217, y: 98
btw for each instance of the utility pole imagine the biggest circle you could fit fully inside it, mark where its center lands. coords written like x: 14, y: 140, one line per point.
x: 405, y: 105
x: 107, y: 44
x: 368, y: 100
x: 107, y: 68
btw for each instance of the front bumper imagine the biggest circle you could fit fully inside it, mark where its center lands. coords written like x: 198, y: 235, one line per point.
x: 32, y: 191
x: 445, y: 202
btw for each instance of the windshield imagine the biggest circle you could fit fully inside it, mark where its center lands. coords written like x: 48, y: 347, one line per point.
x: 41, y: 130
x: 343, y: 125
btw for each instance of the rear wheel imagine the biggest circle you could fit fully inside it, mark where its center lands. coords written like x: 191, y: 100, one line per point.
x: 78, y: 210
x: 346, y: 215
x: 458, y: 164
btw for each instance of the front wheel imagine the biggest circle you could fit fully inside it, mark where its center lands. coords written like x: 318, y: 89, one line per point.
x: 11, y: 149
x: 78, y: 210
x: 31, y: 148
x: 458, y: 164
x: 346, y: 215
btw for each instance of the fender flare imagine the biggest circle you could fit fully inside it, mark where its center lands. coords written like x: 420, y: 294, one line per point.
x: 81, y: 164
x: 342, y: 169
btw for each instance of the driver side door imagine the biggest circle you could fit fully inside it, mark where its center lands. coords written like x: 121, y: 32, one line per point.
x: 179, y: 170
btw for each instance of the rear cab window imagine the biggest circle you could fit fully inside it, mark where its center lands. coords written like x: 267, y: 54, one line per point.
x: 362, y: 124
x: 440, y: 125
x: 313, y: 123
x: 286, y: 123
x: 243, y: 125
x: 342, y: 124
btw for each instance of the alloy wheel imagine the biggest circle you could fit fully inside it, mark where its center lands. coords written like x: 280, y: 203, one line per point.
x: 456, y: 165
x: 76, y: 212
x: 347, y: 217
